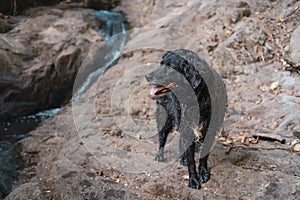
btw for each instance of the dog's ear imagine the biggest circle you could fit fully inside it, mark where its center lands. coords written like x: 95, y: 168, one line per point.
x: 191, y: 74
x: 182, y: 66
x: 167, y: 58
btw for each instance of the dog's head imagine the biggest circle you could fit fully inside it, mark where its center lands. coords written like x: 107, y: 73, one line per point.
x: 174, y: 69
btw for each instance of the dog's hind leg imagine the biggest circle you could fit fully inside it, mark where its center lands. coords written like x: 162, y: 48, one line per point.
x: 204, y: 174
x: 182, y: 148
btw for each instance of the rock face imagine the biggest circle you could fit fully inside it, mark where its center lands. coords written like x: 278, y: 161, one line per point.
x: 40, y: 59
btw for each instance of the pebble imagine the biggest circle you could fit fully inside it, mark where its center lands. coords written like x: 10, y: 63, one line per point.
x: 297, y: 147
x: 274, y: 86
x: 238, y: 70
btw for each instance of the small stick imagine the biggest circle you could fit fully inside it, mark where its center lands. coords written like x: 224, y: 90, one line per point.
x: 255, y: 148
x: 270, y: 137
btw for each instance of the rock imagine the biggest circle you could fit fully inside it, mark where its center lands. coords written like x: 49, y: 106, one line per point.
x: 289, y: 82
x: 288, y: 101
x: 5, y: 185
x: 294, y: 142
x: 6, y: 24
x: 290, y: 125
x: 26, y: 191
x: 9, y: 164
x: 40, y: 59
x: 238, y: 69
x: 237, y: 10
x: 293, y: 51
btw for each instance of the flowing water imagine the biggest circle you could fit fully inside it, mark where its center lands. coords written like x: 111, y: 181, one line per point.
x: 11, y: 131
x: 105, y: 54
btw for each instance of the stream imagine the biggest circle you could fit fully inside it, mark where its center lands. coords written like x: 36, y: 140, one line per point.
x: 12, y: 131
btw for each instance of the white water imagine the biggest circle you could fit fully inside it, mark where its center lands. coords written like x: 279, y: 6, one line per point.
x: 105, y: 54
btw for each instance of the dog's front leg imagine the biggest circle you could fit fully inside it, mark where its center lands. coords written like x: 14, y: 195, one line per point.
x: 163, y: 134
x: 188, y: 141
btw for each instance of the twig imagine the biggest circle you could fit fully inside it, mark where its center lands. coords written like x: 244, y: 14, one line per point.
x: 293, y: 11
x: 255, y: 148
x: 270, y: 136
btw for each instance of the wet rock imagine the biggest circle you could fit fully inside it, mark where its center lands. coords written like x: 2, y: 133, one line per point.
x: 5, y: 185
x: 9, y: 164
x: 40, y: 59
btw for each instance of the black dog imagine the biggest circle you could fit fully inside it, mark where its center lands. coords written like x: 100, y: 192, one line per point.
x: 177, y: 85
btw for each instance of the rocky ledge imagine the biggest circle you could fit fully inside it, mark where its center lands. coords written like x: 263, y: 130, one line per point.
x: 40, y: 58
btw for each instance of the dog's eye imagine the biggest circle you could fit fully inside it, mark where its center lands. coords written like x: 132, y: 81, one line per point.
x: 169, y: 69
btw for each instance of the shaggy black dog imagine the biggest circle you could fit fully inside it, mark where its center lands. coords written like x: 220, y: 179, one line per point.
x: 184, y: 105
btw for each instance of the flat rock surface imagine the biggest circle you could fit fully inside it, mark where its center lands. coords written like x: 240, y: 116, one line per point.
x: 90, y: 151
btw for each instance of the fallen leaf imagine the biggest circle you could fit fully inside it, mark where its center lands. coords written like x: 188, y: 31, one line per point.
x: 185, y: 177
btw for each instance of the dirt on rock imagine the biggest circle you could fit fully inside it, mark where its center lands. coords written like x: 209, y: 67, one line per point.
x: 103, y: 155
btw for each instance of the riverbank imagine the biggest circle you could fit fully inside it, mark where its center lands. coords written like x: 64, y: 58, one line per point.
x: 239, y: 40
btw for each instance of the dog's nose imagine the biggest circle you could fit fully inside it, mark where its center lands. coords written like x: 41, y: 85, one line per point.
x: 148, y: 77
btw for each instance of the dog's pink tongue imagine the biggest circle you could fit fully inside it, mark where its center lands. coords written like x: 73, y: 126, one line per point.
x: 154, y: 90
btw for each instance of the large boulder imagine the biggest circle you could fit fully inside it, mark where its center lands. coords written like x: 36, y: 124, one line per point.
x: 40, y: 59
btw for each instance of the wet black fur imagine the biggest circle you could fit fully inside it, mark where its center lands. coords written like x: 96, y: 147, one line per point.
x: 170, y: 111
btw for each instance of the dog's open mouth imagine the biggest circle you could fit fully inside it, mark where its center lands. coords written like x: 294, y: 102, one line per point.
x: 157, y: 90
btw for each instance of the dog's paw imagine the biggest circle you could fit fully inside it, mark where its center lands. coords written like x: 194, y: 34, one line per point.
x: 160, y: 156
x: 194, y: 183
x: 204, y: 174
x: 183, y: 161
